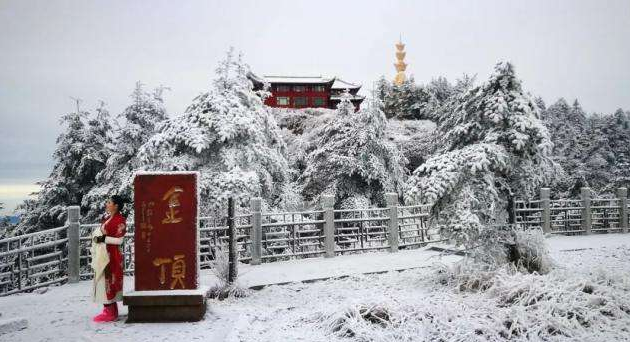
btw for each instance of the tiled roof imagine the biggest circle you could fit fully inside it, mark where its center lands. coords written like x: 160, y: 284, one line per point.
x: 341, y: 84
x: 292, y: 79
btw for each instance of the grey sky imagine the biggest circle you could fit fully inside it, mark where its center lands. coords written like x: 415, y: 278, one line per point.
x: 96, y: 50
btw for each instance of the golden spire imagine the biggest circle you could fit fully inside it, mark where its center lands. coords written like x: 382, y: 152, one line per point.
x: 400, y: 65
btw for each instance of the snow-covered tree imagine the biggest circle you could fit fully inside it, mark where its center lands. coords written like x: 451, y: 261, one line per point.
x: 405, y: 101
x: 440, y: 89
x: 352, y: 158
x: 617, y: 131
x: 567, y: 130
x: 227, y: 134
x: 493, y: 147
x: 78, y: 158
x: 4, y: 223
x: 137, y: 124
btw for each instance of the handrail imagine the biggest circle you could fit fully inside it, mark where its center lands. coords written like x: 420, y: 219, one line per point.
x: 26, y: 236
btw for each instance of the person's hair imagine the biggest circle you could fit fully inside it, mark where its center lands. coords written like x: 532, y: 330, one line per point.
x: 119, y: 201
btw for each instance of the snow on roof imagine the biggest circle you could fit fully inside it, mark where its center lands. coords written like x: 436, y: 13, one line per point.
x: 341, y: 84
x: 296, y: 79
x: 352, y: 97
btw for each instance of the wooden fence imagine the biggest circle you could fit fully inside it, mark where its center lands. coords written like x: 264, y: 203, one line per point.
x: 62, y: 254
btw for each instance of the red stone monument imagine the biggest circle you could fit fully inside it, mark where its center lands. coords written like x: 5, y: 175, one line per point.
x: 166, y: 256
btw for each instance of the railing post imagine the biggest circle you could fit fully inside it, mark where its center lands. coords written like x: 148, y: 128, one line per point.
x: 232, y: 244
x: 255, y: 204
x: 74, y: 216
x: 622, y: 194
x: 392, y: 203
x: 587, y: 223
x: 328, y: 203
x: 546, y: 209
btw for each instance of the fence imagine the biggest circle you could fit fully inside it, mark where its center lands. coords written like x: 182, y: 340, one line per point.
x: 585, y: 215
x: 62, y: 254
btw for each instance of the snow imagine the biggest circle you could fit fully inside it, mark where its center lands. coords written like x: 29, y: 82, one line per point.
x: 296, y: 79
x: 341, y: 84
x: 558, y: 243
x: 305, y: 311
x: 12, y: 325
x: 352, y: 97
x: 346, y: 265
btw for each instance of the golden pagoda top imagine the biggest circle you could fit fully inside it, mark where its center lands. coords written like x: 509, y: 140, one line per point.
x: 400, y: 64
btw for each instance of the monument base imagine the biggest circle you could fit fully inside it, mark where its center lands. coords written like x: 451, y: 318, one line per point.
x: 166, y: 306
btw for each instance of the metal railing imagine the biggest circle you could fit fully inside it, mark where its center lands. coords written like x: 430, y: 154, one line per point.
x: 585, y: 215
x: 292, y: 234
x: 361, y: 229
x: 62, y: 254
x: 33, y: 260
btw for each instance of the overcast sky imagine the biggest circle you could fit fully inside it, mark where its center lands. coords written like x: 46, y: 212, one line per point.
x: 96, y: 50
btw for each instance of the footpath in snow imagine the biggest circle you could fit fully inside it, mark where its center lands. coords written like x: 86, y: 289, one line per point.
x: 312, y: 269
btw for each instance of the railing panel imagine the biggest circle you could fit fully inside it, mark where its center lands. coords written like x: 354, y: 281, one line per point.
x: 413, y: 226
x: 566, y: 216
x: 291, y: 235
x: 605, y: 215
x: 361, y: 229
x: 528, y: 214
x: 33, y: 260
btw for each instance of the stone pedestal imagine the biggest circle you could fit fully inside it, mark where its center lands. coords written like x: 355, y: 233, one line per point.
x: 166, y: 306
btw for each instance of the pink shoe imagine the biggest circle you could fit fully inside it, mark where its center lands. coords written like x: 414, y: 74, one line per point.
x: 109, y: 314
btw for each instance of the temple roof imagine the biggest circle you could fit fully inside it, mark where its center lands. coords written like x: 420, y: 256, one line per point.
x: 291, y: 79
x: 341, y: 84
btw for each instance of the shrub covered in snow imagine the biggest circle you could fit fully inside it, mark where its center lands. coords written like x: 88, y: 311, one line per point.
x: 561, y: 305
x: 220, y: 268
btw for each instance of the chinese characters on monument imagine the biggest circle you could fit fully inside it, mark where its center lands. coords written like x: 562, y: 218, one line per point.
x: 166, y: 235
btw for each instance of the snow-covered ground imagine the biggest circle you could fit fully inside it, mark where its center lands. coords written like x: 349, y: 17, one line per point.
x: 417, y: 306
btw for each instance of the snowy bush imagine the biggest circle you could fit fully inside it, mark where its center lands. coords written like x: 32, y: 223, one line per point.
x: 561, y: 305
x: 220, y: 268
x: 352, y: 321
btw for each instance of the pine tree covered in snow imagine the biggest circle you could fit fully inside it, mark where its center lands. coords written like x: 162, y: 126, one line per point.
x: 352, y: 159
x: 616, y: 129
x: 410, y: 101
x: 406, y: 101
x: 493, y: 147
x: 79, y: 157
x: 138, y: 122
x: 227, y: 134
x: 567, y: 130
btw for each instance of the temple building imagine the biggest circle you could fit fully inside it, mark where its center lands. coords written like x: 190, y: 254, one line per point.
x: 306, y: 91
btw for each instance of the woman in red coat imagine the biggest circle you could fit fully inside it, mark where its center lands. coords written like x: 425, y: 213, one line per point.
x: 112, y: 232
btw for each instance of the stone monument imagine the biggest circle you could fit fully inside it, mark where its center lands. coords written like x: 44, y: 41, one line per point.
x: 166, y: 252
